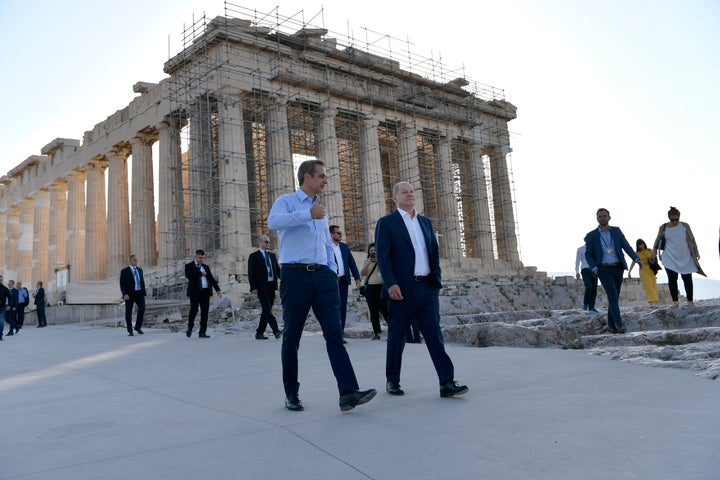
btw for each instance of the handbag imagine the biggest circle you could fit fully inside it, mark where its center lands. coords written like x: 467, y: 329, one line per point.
x: 654, y: 266
x: 363, y: 287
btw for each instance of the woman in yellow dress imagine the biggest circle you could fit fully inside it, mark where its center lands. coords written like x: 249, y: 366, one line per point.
x: 647, y: 276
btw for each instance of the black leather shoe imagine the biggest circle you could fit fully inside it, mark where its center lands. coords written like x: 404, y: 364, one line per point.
x: 452, y: 388
x: 358, y: 397
x: 621, y: 329
x: 131, y: 334
x: 202, y: 335
x: 375, y: 337
x: 260, y: 337
x: 394, y: 389
x: 9, y: 333
x: 278, y: 334
x: 139, y: 331
x: 188, y: 333
x: 612, y: 329
x: 292, y: 402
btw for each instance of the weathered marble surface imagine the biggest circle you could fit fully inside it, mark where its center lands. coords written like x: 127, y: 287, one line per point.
x: 528, y: 313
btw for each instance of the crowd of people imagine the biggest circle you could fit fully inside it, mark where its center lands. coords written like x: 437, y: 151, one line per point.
x: 15, y: 298
x: 601, y: 258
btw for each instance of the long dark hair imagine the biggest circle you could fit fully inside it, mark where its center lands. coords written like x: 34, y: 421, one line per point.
x: 638, y: 242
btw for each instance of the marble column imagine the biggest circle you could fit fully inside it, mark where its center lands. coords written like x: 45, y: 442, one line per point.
x: 503, y: 206
x: 235, y: 230
x: 57, y: 254
x: 408, y: 165
x: 75, y: 236
x: 12, y: 233
x: 278, y: 157
x: 371, y: 168
x: 3, y: 234
x: 96, y: 221
x: 25, y: 240
x: 142, y: 239
x: 118, y: 211
x: 449, y: 223
x: 201, y: 221
x: 41, y: 237
x: 482, y: 230
x: 327, y: 149
x: 171, y: 221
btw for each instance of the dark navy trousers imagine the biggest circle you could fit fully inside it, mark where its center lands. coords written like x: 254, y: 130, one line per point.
x: 422, y: 305
x: 301, y: 290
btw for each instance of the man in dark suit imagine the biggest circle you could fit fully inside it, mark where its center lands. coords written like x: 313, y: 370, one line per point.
x: 200, y: 288
x: 11, y: 308
x: 132, y: 286
x: 23, y: 302
x: 39, y: 296
x: 345, y: 265
x: 408, y: 257
x: 263, y: 275
x: 603, y: 252
x: 4, y: 300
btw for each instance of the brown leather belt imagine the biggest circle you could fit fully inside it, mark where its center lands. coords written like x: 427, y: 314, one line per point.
x: 616, y: 264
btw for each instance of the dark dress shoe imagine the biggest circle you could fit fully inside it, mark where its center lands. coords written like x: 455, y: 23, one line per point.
x: 260, y: 337
x: 9, y: 333
x: 131, y: 334
x: 139, y: 331
x: 394, y: 389
x: 292, y: 402
x: 202, y: 335
x: 358, y: 397
x: 375, y: 337
x: 278, y: 334
x: 621, y: 329
x: 452, y: 388
x: 188, y: 333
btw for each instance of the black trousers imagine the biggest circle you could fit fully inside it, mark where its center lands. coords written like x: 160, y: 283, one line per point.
x: 673, y: 284
x: 41, y: 318
x: 136, y: 298
x: 201, y: 302
x: 267, y: 298
x: 377, y: 305
x: 20, y: 316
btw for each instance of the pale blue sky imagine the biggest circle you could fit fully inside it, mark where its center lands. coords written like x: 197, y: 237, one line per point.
x: 617, y: 101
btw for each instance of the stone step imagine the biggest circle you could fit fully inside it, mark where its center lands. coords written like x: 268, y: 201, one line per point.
x: 653, y: 337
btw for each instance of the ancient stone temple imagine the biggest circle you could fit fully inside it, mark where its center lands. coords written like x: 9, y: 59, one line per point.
x: 245, y: 101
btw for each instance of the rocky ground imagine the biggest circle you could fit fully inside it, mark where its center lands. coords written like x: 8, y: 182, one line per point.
x: 494, y: 314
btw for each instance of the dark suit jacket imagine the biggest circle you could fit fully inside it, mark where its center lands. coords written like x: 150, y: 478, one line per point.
x: 14, y: 298
x: 349, y: 263
x: 396, y: 256
x: 594, y: 248
x: 257, y: 271
x: 127, y: 281
x: 4, y: 296
x: 40, y: 296
x: 192, y: 272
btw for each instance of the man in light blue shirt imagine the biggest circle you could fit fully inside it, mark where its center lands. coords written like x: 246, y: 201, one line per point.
x: 309, y: 279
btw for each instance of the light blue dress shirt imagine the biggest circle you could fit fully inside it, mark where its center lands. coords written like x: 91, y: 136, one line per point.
x: 302, y: 238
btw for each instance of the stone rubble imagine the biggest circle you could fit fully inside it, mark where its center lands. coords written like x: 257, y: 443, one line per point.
x: 530, y: 313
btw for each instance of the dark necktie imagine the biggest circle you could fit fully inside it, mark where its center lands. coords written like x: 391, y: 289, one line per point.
x: 269, y: 266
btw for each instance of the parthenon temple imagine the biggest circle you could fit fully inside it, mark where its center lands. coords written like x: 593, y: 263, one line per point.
x: 196, y: 160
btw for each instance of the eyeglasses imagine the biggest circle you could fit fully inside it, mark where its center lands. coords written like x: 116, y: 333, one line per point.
x: 266, y: 241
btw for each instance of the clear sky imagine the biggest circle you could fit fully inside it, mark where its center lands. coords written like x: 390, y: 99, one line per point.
x: 618, y: 101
